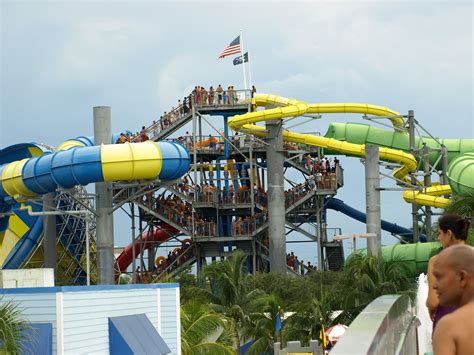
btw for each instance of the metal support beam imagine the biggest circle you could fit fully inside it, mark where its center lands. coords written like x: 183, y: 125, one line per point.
x: 319, y: 231
x: 104, y: 198
x: 49, y: 230
x: 427, y: 183
x: 276, y: 197
x: 414, y: 207
x: 444, y: 165
x: 372, y: 199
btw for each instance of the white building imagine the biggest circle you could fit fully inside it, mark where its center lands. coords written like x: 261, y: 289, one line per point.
x: 89, y: 319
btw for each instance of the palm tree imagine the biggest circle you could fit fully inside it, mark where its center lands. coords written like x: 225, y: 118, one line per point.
x: 228, y: 291
x: 199, y: 329
x: 462, y: 205
x: 305, y: 324
x: 369, y: 277
x: 11, y: 328
x: 260, y: 324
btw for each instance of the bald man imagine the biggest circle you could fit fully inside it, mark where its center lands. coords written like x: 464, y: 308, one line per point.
x: 454, y: 284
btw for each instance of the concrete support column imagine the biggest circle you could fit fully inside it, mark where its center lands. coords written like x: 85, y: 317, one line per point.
x: 427, y: 183
x: 104, y: 195
x: 319, y: 234
x: 444, y: 165
x: 276, y: 197
x: 414, y: 207
x: 372, y: 199
x: 49, y: 230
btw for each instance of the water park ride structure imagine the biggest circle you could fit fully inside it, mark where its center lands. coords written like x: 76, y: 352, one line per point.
x: 240, y: 169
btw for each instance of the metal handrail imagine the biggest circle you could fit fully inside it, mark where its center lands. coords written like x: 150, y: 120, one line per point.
x: 183, y: 111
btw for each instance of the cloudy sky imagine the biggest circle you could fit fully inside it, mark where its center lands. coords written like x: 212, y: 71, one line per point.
x: 59, y: 59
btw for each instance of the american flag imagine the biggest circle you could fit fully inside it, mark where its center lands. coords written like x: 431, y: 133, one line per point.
x: 232, y: 48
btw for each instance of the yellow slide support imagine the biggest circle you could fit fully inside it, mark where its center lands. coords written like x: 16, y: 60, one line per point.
x: 292, y: 108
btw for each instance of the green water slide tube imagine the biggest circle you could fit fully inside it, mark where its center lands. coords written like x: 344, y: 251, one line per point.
x: 415, y: 256
x: 460, y: 151
x: 461, y: 174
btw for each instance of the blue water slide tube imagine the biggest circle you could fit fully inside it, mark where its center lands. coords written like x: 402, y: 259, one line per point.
x: 339, y: 205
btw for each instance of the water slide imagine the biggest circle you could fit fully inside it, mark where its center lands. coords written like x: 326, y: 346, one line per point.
x: 158, y: 235
x: 339, y: 205
x: 460, y: 155
x: 28, y: 171
x: 461, y: 169
x: 392, y: 145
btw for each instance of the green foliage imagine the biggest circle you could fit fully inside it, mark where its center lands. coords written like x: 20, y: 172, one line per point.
x: 306, y: 323
x: 199, y: 328
x: 11, y: 328
x: 462, y: 205
x: 470, y: 237
x: 369, y: 277
x: 124, y: 279
x: 260, y: 324
x: 286, y: 287
x: 249, y: 304
x: 226, y: 289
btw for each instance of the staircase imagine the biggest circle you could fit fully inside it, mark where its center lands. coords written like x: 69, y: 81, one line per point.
x: 334, y: 255
x: 183, y: 261
x: 157, y: 133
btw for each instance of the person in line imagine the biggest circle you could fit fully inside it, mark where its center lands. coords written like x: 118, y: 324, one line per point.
x: 219, y: 94
x: 143, y: 135
x: 211, y: 95
x: 121, y: 139
x: 454, y: 284
x: 453, y: 230
x: 254, y: 90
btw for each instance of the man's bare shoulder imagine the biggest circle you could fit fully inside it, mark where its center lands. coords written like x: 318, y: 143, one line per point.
x: 466, y: 311
x: 448, y: 321
x: 454, y: 318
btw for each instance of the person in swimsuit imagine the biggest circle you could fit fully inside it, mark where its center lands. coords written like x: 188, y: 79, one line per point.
x: 454, y: 285
x: 453, y: 230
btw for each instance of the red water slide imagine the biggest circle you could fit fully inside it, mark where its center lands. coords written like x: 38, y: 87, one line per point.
x: 157, y: 235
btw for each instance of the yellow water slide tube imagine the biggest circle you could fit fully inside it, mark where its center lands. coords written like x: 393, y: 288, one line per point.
x: 292, y: 108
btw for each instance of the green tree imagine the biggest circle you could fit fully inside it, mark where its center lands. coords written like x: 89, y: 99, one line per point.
x: 260, y: 325
x: 305, y: 324
x: 228, y: 291
x: 11, y: 328
x: 462, y: 205
x: 200, y: 327
x: 369, y: 277
x: 289, y: 288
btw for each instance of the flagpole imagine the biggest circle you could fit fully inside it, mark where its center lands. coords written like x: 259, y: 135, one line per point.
x: 250, y: 73
x: 242, y: 54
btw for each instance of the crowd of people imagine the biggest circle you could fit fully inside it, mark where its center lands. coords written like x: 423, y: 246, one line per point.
x: 175, y: 258
x: 298, y: 266
x: 213, y: 97
x: 322, y: 165
x: 138, y: 137
x: 179, y: 211
x: 247, y: 225
x: 198, y: 97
